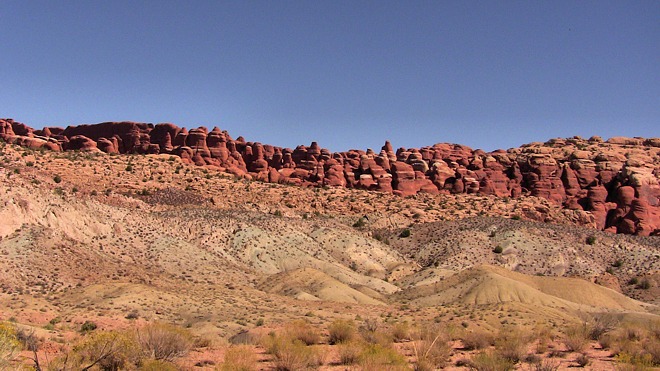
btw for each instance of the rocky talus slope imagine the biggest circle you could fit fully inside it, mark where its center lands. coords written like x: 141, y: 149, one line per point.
x: 616, y: 181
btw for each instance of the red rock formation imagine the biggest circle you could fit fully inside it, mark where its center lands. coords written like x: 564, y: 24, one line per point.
x: 616, y: 182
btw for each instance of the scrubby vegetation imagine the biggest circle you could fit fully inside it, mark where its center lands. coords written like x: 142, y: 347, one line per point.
x: 368, y: 345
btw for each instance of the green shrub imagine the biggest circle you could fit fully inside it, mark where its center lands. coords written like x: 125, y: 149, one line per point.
x: 497, y: 249
x: 88, y: 326
x: 405, y: 233
x: 57, y: 179
x: 110, y: 350
x: 644, y: 284
x: 591, y: 240
x: 359, y: 223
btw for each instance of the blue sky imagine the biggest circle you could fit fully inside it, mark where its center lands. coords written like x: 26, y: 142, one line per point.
x: 348, y: 74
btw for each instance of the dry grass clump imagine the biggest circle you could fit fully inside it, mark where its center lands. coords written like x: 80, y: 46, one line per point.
x: 376, y: 357
x: 349, y: 352
x: 601, y: 325
x: 544, y: 337
x: 165, y: 342
x: 577, y: 337
x: 291, y: 353
x: 370, y: 332
x: 511, y: 344
x: 490, y: 361
x: 341, y: 331
x: 400, y: 332
x: 158, y: 365
x: 431, y: 347
x: 476, y: 340
x: 583, y: 360
x: 295, y: 355
x: 239, y: 358
x: 634, y: 346
x: 545, y: 365
x: 303, y: 331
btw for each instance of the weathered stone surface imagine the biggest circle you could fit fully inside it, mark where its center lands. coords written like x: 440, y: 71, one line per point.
x: 614, y: 183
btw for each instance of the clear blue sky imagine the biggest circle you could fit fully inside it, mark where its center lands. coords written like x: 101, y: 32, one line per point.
x: 348, y: 74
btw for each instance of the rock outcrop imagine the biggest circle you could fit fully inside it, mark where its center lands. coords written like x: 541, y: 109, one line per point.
x: 616, y: 180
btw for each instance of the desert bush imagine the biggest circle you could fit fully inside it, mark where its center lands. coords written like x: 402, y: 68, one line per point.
x: 511, y: 344
x: 109, y: 350
x: 576, y: 338
x: 158, y: 365
x: 303, y: 331
x: 369, y: 331
x: 606, y: 341
x: 244, y: 338
x: 475, y: 340
x: 582, y: 360
x: 400, y: 332
x: 645, y: 284
x: 29, y: 341
x: 405, y: 233
x: 652, y: 348
x: 632, y: 333
x: 497, y: 249
x: 375, y: 357
x: 431, y: 348
x: 294, y: 355
x: 87, y: 327
x: 165, y: 342
x: 545, y: 365
x: 634, y: 362
x: 601, y: 325
x: 349, y: 352
x: 359, y: 223
x: 490, y: 361
x: 341, y: 331
x: 10, y: 346
x: 544, y: 336
x: 591, y: 240
x: 239, y: 358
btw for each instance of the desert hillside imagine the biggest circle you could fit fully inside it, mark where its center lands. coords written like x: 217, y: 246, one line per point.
x: 125, y: 240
